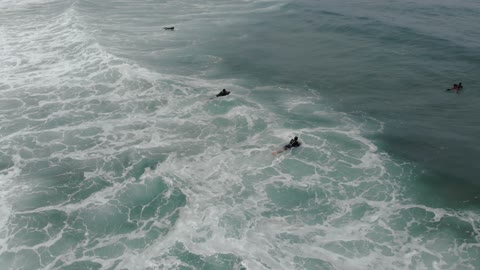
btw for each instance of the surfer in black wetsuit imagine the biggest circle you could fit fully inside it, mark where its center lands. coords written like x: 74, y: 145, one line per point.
x: 293, y: 143
x: 223, y: 93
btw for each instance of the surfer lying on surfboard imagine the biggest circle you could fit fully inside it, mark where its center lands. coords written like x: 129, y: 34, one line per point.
x: 293, y: 143
x: 223, y: 93
x: 456, y: 87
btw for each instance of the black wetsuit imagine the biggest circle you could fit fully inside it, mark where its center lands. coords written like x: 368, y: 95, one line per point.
x: 292, y: 143
x: 223, y: 93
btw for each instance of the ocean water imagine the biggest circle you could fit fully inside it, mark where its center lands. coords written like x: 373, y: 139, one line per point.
x: 113, y: 155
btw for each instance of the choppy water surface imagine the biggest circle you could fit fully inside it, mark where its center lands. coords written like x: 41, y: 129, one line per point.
x: 112, y: 155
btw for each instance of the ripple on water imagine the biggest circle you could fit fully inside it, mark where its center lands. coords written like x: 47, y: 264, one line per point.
x: 8, y: 104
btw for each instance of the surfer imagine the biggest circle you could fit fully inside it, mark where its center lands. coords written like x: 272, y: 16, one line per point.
x: 456, y: 87
x: 293, y: 143
x: 169, y: 28
x: 223, y: 93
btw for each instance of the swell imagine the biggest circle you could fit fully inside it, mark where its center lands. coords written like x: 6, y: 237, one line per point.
x: 389, y: 32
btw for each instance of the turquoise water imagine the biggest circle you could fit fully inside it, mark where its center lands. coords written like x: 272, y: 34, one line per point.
x: 112, y: 155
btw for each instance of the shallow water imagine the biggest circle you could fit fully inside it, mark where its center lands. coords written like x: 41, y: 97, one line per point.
x: 114, y: 157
